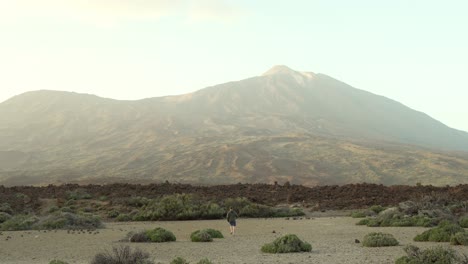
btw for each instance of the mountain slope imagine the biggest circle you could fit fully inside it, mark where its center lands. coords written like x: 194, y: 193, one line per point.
x: 284, y: 125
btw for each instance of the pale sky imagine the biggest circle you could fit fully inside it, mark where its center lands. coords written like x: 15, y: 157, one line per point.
x: 413, y: 51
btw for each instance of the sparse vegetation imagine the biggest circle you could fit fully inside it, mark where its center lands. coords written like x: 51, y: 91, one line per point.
x: 436, y: 255
x: 442, y: 233
x: 460, y: 238
x: 179, y: 260
x: 58, y: 220
x: 378, y: 239
x: 4, y: 217
x: 19, y: 222
x: 123, y: 255
x: 78, y: 194
x: 286, y: 244
x: 204, y: 261
x: 6, y: 208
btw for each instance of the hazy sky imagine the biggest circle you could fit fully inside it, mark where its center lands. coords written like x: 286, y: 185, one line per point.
x: 415, y: 52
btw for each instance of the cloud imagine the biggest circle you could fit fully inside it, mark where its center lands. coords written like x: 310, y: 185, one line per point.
x: 116, y: 11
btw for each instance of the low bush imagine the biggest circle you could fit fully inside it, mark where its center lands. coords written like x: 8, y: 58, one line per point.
x: 204, y: 261
x: 6, y: 208
x: 378, y: 239
x: 122, y: 255
x: 78, y: 194
x: 358, y: 214
x: 62, y: 220
x: 201, y: 236
x: 463, y: 222
x: 4, y: 217
x: 113, y: 214
x: 123, y: 218
x: 139, y: 237
x: 19, y: 222
x: 377, y: 208
x: 460, y: 238
x: 179, y: 260
x: 160, y: 235
x: 364, y: 221
x: 286, y: 244
x: 436, y: 255
x: 214, y: 233
x: 58, y: 220
x: 442, y: 233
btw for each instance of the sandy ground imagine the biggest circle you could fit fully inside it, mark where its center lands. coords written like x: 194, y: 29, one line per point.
x: 332, y: 239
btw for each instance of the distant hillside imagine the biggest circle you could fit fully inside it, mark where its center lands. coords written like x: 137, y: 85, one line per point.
x: 282, y: 126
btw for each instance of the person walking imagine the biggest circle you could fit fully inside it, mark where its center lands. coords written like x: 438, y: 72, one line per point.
x: 231, y: 218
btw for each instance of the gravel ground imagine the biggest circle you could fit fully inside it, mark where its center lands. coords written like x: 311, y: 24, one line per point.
x: 332, y: 239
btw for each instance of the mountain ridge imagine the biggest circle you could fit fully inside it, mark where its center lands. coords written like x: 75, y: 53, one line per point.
x: 249, y: 130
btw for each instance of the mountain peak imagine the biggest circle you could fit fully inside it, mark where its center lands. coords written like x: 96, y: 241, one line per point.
x: 279, y: 69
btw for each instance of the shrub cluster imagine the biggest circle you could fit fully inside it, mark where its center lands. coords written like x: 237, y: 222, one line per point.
x: 58, y: 220
x: 190, y: 207
x: 286, y: 244
x: 201, y: 236
x: 427, y: 211
x: 157, y: 235
x: 78, y: 194
x: 379, y: 240
x: 122, y: 255
x: 442, y: 233
x: 460, y: 238
x: 438, y: 254
x: 463, y: 222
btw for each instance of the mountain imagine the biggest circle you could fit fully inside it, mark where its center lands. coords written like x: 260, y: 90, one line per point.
x: 281, y: 126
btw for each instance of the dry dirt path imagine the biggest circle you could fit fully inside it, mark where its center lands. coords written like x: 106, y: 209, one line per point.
x: 332, y: 240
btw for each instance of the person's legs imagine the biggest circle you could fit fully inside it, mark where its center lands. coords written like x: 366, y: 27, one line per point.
x: 233, y: 227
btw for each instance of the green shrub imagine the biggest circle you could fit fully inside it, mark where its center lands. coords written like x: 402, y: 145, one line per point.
x: 460, y: 238
x: 204, y: 261
x: 378, y: 239
x: 160, y: 235
x: 67, y: 209
x: 122, y: 255
x: 179, y: 260
x: 441, y: 233
x: 6, y: 208
x: 463, y: 222
x: 286, y: 244
x: 78, y: 194
x: 19, y: 222
x: 214, y: 233
x: 138, y: 201
x: 201, y: 236
x: 53, y: 209
x: 4, y: 217
x: 113, y: 214
x: 123, y: 218
x: 436, y: 255
x: 377, y: 208
x: 56, y: 261
x: 138, y: 237
x: 62, y: 220
x: 364, y: 221
x: 358, y: 214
